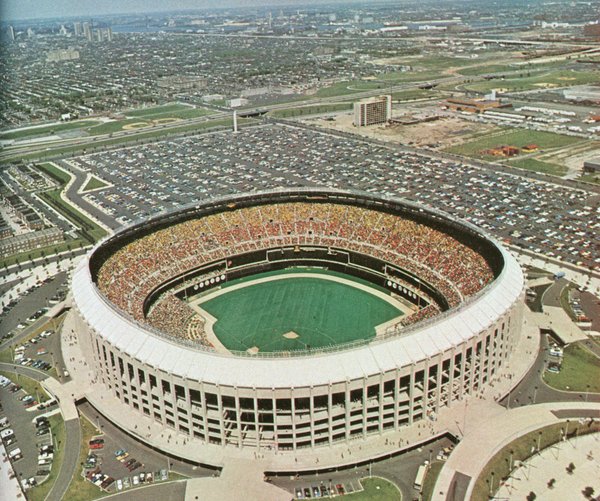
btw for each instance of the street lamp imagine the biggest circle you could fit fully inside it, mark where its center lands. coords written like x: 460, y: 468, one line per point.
x: 539, y: 441
x: 535, y: 388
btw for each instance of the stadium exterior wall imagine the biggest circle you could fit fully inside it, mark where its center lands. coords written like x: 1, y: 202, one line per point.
x: 290, y: 403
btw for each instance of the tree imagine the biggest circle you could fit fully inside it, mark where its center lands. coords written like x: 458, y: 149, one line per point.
x: 570, y: 469
x: 588, y: 492
x: 551, y: 483
x: 531, y: 496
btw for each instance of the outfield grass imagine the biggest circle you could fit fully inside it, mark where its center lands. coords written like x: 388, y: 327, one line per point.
x: 116, y: 126
x: 93, y: 184
x: 518, y: 138
x: 376, y: 489
x: 540, y: 166
x: 521, y: 450
x: 47, y: 130
x: 321, y: 312
x: 579, y: 369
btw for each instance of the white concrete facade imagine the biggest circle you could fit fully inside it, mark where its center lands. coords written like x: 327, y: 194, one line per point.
x: 293, y: 403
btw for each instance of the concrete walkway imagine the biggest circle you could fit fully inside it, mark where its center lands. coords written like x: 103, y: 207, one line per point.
x: 485, y: 438
x: 534, y: 474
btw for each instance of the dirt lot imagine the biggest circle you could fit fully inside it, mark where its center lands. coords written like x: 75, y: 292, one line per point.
x: 442, y: 133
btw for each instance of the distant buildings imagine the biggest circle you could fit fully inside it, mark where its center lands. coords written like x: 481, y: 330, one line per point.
x: 11, y: 33
x: 57, y: 55
x: 372, y: 111
x: 237, y: 102
x: 592, y: 166
x: 473, y: 105
x: 77, y: 28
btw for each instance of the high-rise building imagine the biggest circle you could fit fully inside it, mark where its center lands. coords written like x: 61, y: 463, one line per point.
x: 371, y: 111
x: 108, y: 34
x: 63, y: 31
x: 30, y: 32
x: 11, y: 33
x: 87, y: 31
x: 77, y: 28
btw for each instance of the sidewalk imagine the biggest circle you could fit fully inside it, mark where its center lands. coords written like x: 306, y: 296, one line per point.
x: 451, y: 419
x: 533, y: 475
x: 482, y: 442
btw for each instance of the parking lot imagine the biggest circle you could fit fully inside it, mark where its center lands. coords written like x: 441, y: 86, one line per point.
x: 400, y: 470
x: 128, y: 462
x: 27, y: 431
x: 541, y: 217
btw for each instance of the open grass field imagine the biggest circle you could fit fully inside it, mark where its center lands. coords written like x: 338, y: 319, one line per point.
x: 318, y: 311
x: 551, y: 79
x: 518, y: 138
x: 93, y: 184
x: 580, y: 368
x: 376, y: 489
x: 47, y: 130
x: 156, y: 110
x: 540, y: 166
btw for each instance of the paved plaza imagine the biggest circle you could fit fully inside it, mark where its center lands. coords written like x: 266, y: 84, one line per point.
x: 535, y: 474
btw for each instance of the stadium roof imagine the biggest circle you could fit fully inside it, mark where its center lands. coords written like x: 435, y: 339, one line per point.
x: 442, y: 333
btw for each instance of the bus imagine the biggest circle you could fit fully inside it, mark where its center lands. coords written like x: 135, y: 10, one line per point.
x: 420, y: 477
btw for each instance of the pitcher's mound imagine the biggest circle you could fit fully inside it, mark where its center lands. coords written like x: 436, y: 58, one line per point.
x: 291, y: 335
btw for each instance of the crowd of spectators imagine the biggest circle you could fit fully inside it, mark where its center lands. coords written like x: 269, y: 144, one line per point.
x: 131, y: 273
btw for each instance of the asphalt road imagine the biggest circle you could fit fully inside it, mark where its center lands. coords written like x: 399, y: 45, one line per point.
x: 70, y: 460
x: 401, y: 470
x: 80, y: 201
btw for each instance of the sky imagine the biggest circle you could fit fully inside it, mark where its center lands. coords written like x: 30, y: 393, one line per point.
x: 40, y: 9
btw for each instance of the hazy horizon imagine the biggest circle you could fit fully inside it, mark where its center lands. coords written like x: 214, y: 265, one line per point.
x: 17, y: 10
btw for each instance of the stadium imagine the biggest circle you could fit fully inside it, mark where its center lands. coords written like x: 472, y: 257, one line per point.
x: 295, y: 319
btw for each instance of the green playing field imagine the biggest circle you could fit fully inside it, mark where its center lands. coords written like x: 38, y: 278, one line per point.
x: 295, y: 313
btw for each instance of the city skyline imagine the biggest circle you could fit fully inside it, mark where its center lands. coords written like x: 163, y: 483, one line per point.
x: 14, y: 10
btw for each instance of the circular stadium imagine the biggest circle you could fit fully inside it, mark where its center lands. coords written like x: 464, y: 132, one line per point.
x: 296, y: 319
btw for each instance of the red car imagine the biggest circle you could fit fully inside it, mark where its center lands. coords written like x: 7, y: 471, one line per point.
x: 96, y: 443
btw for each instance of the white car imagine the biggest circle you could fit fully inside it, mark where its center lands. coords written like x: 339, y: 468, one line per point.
x: 119, y: 485
x: 136, y: 480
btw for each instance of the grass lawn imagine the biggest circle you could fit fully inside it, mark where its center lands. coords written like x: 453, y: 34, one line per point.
x: 79, y: 488
x: 518, y: 138
x: 430, y: 479
x: 57, y: 427
x: 580, y: 368
x: 376, y: 489
x: 539, y: 166
x: 93, y: 184
x: 409, y: 95
x: 318, y: 311
x: 558, y: 78
x: 156, y: 110
x: 590, y: 178
x: 521, y: 450
x: 116, y: 126
x: 155, y: 134
x: 59, y: 175
x: 44, y: 251
x: 88, y: 229
x: 47, y: 130
x: 31, y: 386
x: 349, y: 87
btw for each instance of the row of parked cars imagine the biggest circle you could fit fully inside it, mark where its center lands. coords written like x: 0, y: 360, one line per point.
x: 319, y: 491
